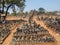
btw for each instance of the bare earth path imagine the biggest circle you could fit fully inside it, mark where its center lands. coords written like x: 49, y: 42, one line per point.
x: 54, y: 34
x: 9, y: 38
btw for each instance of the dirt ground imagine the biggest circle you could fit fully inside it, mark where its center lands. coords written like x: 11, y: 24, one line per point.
x: 9, y: 38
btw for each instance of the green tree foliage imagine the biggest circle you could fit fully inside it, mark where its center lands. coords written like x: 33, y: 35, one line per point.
x: 6, y: 4
x: 14, y: 11
x: 41, y: 10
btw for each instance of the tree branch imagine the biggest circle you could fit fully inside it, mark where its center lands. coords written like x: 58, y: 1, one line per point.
x: 8, y: 9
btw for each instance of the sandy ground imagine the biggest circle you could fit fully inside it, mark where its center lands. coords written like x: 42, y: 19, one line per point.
x: 54, y: 34
x: 57, y: 37
x: 9, y: 38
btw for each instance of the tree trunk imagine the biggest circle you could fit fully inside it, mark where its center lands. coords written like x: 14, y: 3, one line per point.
x: 3, y: 7
x: 7, y: 10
